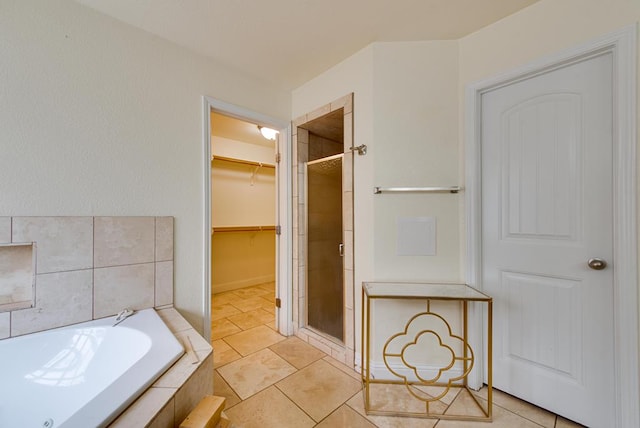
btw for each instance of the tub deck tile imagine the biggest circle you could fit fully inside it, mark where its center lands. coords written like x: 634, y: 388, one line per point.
x: 150, y: 404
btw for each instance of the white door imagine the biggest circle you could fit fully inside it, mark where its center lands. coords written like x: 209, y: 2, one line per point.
x: 546, y: 210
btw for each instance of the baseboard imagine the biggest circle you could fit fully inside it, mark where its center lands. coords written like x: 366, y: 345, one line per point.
x: 379, y: 371
x: 243, y: 283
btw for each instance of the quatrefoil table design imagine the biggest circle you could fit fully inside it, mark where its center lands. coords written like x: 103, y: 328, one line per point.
x: 426, y: 356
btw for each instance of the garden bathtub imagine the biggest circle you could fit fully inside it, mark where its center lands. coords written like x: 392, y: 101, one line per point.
x: 82, y: 375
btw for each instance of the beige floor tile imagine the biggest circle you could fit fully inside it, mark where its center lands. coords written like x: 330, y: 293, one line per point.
x: 252, y: 303
x: 250, y: 292
x: 272, y: 325
x: 357, y: 403
x: 247, y: 320
x: 255, y: 372
x: 253, y: 340
x: 223, y: 353
x: 222, y: 389
x: 269, y: 286
x: 345, y: 417
x: 319, y: 389
x: 346, y: 369
x: 223, y: 311
x: 501, y: 418
x: 224, y: 298
x: 466, y: 406
x: 222, y: 328
x: 565, y: 423
x: 268, y: 303
x: 522, y: 408
x: 437, y: 392
x: 297, y: 352
x: 268, y: 409
x: 398, y: 398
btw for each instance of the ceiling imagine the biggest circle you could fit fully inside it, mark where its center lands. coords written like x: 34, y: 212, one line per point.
x: 285, y: 43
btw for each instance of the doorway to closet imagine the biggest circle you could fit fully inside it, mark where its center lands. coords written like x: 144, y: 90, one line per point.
x: 243, y: 219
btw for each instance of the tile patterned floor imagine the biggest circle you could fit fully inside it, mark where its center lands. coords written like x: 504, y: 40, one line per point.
x: 273, y: 381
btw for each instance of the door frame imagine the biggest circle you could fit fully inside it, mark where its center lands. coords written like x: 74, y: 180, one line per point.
x: 622, y: 45
x: 283, y: 207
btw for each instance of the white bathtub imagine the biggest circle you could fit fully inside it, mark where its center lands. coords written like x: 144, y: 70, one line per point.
x: 82, y: 375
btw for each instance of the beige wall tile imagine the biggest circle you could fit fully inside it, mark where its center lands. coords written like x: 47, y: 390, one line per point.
x: 164, y: 283
x: 116, y: 288
x: 198, y: 385
x: 178, y: 373
x: 5, y: 230
x: 63, y: 243
x: 164, y: 238
x: 347, y: 207
x: 153, y: 402
x: 348, y: 289
x: 303, y: 136
x: 299, y: 121
x: 197, y: 341
x: 320, y: 111
x: 5, y: 324
x: 348, y: 131
x: 347, y: 183
x: 124, y: 240
x: 62, y: 298
x: 174, y: 320
x: 340, y: 102
x: 165, y: 419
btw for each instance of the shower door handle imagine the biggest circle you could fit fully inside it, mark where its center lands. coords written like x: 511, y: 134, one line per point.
x: 341, y: 249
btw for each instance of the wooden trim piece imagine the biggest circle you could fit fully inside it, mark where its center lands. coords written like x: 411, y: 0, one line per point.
x: 241, y: 161
x: 242, y: 229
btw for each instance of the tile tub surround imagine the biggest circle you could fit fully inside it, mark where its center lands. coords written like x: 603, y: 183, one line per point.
x: 91, y: 267
x: 170, y: 399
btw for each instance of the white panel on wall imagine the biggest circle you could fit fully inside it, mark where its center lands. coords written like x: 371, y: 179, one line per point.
x: 416, y: 236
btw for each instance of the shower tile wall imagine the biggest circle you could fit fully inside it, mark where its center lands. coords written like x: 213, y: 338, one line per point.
x: 300, y: 155
x: 91, y: 267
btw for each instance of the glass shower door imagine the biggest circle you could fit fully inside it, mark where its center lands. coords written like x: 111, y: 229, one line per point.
x: 325, y: 299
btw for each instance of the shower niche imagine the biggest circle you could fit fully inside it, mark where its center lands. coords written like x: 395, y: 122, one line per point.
x: 17, y: 276
x: 323, y: 229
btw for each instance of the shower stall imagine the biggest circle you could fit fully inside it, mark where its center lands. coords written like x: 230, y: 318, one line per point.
x: 325, y: 246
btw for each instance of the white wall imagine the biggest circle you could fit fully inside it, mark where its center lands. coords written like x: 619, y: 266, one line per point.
x: 416, y: 141
x: 99, y: 118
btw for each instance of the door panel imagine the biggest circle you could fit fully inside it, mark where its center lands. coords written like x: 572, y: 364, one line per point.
x: 546, y: 210
x: 325, y: 279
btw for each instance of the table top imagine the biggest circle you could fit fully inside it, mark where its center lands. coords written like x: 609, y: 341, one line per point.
x: 416, y: 290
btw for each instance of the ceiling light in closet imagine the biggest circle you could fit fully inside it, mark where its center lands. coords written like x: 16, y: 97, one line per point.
x: 268, y: 133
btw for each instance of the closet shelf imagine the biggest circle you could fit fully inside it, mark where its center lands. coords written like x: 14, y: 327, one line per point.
x: 242, y: 161
x: 242, y: 229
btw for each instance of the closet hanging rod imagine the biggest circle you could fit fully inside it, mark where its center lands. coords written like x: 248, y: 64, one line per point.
x: 242, y: 161
x: 452, y: 189
x: 242, y: 229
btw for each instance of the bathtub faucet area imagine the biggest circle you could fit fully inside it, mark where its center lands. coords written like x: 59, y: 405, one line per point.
x: 123, y: 315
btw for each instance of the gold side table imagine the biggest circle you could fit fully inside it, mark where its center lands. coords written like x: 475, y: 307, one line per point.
x: 427, y: 387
